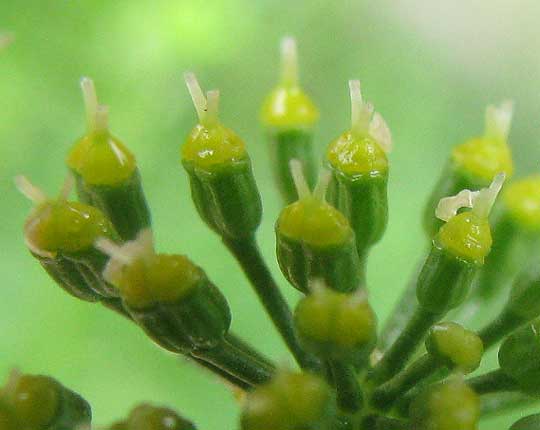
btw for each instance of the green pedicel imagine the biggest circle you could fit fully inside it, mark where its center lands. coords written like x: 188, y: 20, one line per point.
x: 457, y: 252
x: 448, y: 345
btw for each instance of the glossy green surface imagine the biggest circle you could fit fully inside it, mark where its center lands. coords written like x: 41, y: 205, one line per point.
x: 419, y: 69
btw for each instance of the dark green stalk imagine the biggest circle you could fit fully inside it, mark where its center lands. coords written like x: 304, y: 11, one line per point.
x: 405, y: 345
x: 385, y: 396
x: 250, y: 259
x: 285, y: 146
x: 349, y: 393
x: 504, y: 324
x: 249, y: 349
x: 401, y: 313
x: 236, y: 362
x: 231, y: 379
x: 492, y: 382
x: 115, y: 305
x: 497, y: 403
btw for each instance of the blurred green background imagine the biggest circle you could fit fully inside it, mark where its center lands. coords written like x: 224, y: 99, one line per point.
x: 429, y: 67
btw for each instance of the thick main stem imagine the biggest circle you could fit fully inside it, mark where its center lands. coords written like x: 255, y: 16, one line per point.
x: 249, y: 257
x: 236, y: 362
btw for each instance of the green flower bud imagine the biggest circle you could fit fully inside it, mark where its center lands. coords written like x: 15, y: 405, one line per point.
x: 336, y: 325
x: 39, y: 402
x: 106, y: 173
x: 455, y: 346
x: 359, y: 166
x: 289, y: 115
x: 290, y: 401
x: 458, y: 249
x: 450, y: 405
x: 475, y: 163
x: 222, y: 184
x: 149, y: 417
x: 168, y: 296
x: 532, y: 422
x: 314, y: 240
x: 519, y: 358
x: 61, y: 234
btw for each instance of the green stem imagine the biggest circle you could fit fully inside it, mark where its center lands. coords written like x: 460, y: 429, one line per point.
x: 504, y: 324
x: 496, y: 403
x: 349, y: 394
x: 385, y: 396
x: 405, y: 345
x: 286, y: 145
x: 116, y: 305
x: 249, y: 349
x: 401, y: 313
x: 250, y: 259
x: 227, y: 377
x: 236, y: 362
x: 492, y: 382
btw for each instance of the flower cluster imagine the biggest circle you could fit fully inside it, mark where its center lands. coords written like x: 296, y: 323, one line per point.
x: 410, y: 374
